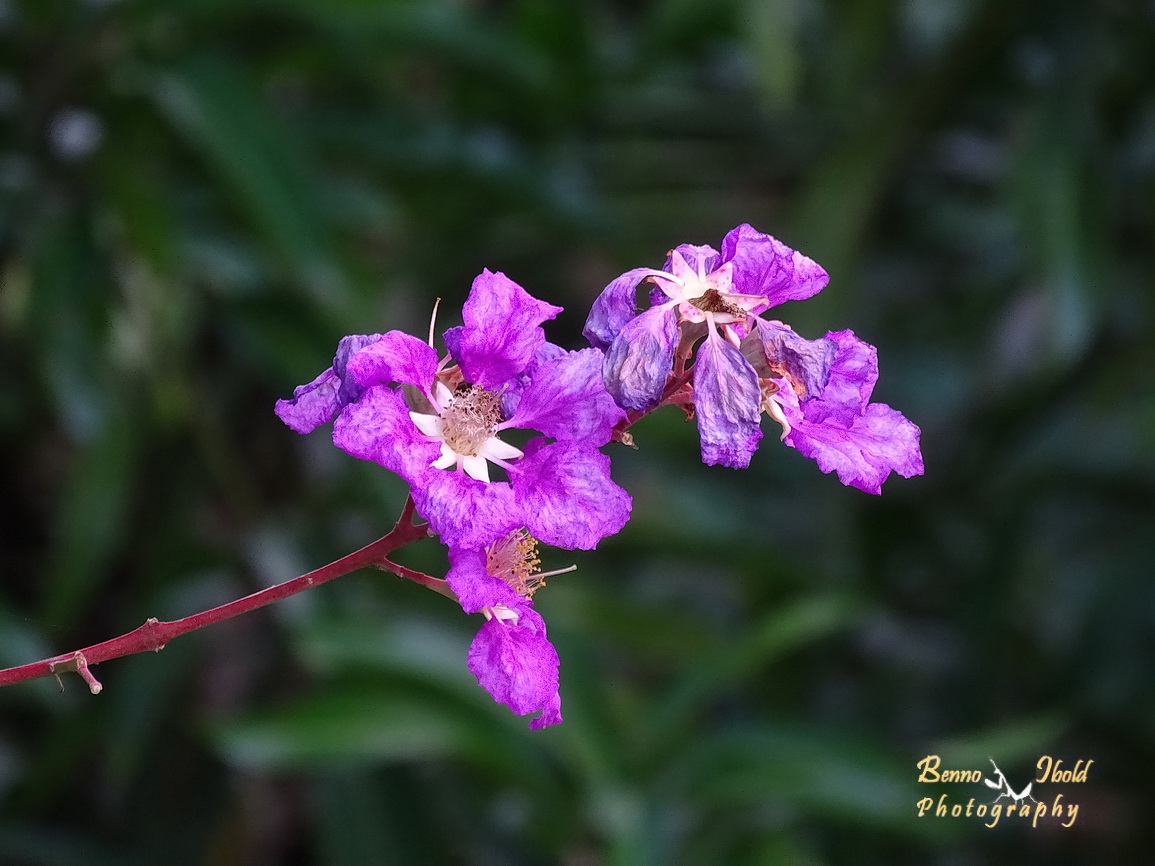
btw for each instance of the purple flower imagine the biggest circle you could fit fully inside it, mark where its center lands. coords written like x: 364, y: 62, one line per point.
x: 511, y: 656
x: 439, y: 424
x: 818, y: 390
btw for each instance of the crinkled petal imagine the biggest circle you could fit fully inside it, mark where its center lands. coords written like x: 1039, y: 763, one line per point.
x: 378, y: 427
x: 466, y: 512
x: 349, y: 346
x: 853, y: 372
x: 614, y: 307
x: 511, y: 395
x: 566, y: 495
x: 567, y: 399
x: 518, y: 666
x: 394, y: 357
x: 474, y: 586
x: 550, y: 714
x: 502, y: 330
x: 641, y: 357
x: 313, y: 404
x: 701, y: 259
x: 863, y: 453
x: 763, y: 265
x: 773, y: 349
x: 726, y: 401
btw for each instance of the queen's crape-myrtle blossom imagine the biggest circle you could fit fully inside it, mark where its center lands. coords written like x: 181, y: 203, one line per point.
x: 437, y: 423
x: 817, y: 390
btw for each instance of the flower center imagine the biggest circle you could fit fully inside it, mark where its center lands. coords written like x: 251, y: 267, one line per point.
x: 514, y: 559
x: 470, y: 419
x: 465, y: 424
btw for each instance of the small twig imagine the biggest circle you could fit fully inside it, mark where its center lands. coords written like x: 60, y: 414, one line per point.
x: 436, y: 584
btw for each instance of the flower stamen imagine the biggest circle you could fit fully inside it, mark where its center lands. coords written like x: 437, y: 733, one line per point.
x: 514, y: 559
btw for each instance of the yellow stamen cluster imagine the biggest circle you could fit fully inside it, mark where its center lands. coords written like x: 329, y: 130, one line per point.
x: 514, y: 559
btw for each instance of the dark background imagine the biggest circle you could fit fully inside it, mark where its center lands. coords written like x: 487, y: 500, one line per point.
x: 198, y: 199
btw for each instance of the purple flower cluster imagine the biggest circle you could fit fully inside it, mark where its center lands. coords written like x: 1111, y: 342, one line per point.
x: 817, y: 390
x: 438, y: 422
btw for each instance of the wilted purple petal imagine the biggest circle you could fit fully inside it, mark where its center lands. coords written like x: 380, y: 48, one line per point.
x: 313, y: 404
x: 319, y: 401
x: 763, y: 265
x: 550, y: 714
x: 567, y: 399
x: 853, y: 373
x: 641, y: 357
x: 517, y: 664
x: 805, y: 362
x: 726, y: 401
x: 474, y: 586
x: 863, y: 453
x: 394, y: 357
x: 701, y: 259
x: 566, y: 495
x: 350, y: 388
x: 466, y: 512
x: 502, y: 330
x: 378, y: 427
x: 615, y: 306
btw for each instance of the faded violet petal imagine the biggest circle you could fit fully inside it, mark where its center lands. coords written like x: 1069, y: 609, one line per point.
x: 701, y: 259
x: 566, y: 494
x: 466, y: 512
x: 502, y: 330
x: 777, y: 350
x: 726, y: 402
x: 378, y: 427
x: 614, y: 307
x: 474, y: 586
x: 394, y: 357
x: 517, y: 664
x: 853, y: 373
x: 351, y: 388
x: 763, y: 265
x: 550, y: 714
x: 567, y: 399
x: 879, y: 441
x: 641, y: 357
x: 313, y: 404
x: 319, y: 401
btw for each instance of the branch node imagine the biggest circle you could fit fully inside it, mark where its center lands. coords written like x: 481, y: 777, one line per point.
x: 76, y: 662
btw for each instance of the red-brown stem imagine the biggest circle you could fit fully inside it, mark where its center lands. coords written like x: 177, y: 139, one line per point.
x: 672, y: 395
x: 154, y: 634
x: 436, y: 584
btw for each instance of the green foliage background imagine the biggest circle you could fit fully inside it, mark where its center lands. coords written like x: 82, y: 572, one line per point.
x: 198, y: 199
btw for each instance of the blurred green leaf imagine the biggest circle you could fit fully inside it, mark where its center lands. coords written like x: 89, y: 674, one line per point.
x: 214, y: 106
x: 839, y: 777
x: 726, y: 667
x: 91, y: 521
